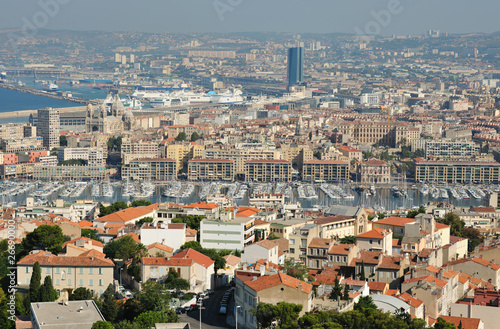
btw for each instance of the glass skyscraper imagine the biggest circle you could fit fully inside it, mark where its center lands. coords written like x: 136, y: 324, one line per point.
x: 295, y: 66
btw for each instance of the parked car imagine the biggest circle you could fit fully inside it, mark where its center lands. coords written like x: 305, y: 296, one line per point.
x: 223, y: 309
x: 180, y: 310
x: 128, y: 294
x: 209, y: 292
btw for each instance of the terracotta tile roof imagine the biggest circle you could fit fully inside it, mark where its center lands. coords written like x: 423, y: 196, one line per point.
x: 391, y: 262
x: 430, y: 279
x: 395, y: 221
x: 330, y: 219
x: 258, y: 222
x: 391, y: 292
x: 376, y: 233
x: 161, y: 247
x: 328, y: 275
x: 440, y: 226
x: 424, y: 253
x: 232, y: 260
x: 396, y: 243
x: 128, y: 214
x: 375, y: 162
x: 85, y: 224
x: 377, y: 286
x: 275, y: 280
x: 351, y: 282
x: 165, y: 261
x: 198, y: 257
x: 134, y: 237
x: 340, y: 249
x: 87, y: 240
x: 268, y: 244
x: 432, y: 269
x: 455, y: 239
x: 47, y: 259
x: 93, y: 253
x: 247, y: 211
x: 413, y: 302
x: 191, y: 232
x: 201, y: 205
x: 467, y: 323
x: 483, y: 209
x: 283, y: 244
x: 368, y: 257
x: 476, y: 260
x: 320, y: 243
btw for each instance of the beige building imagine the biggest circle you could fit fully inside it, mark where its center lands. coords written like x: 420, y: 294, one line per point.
x: 90, y: 270
x: 23, y: 144
x: 375, y: 240
x: 297, y: 155
x: 325, y: 170
x: 368, y: 132
x: 457, y: 171
x: 336, y: 227
x: 242, y: 155
x: 48, y: 127
x: 211, y: 169
x: 135, y: 149
x: 269, y: 289
x: 69, y: 172
x: 182, y: 153
x: 150, y: 169
x: 299, y: 239
x: 375, y: 172
x: 268, y: 171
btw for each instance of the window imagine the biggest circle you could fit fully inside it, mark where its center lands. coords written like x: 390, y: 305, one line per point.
x: 101, y: 282
x: 70, y: 270
x: 47, y: 270
x: 101, y: 270
x: 378, y: 242
x: 292, y: 250
x: 81, y: 270
x: 91, y: 270
x: 371, y: 241
x: 292, y: 241
x: 58, y: 270
x: 80, y: 283
x: 91, y: 282
x: 69, y: 282
x: 58, y: 282
x: 27, y: 269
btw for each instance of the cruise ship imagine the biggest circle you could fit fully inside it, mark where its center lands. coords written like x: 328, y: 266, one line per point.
x: 229, y: 97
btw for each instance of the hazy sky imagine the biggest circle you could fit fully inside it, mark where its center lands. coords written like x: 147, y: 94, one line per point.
x: 324, y: 16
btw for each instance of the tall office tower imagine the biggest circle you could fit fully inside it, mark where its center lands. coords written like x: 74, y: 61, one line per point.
x: 48, y: 127
x: 295, y: 66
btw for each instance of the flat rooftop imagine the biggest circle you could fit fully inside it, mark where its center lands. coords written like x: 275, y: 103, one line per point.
x: 80, y: 314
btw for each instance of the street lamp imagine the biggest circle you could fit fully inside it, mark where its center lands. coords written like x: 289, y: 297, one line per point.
x: 121, y: 269
x: 200, y: 305
x: 236, y: 311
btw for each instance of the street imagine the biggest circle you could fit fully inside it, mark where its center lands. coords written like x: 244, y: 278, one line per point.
x: 210, y: 316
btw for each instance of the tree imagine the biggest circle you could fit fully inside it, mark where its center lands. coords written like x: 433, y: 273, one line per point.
x: 63, y: 141
x: 363, y: 303
x: 152, y: 297
x: 114, y: 207
x: 134, y: 270
x: 310, y: 135
x: 443, y: 324
x: 44, y: 237
x: 317, y: 155
x: 148, y: 319
x: 81, y: 293
x: 362, y: 275
x: 295, y: 269
x: 381, y: 216
x: 35, y: 284
x: 5, y: 317
x: 91, y: 234
x: 414, y: 213
x: 345, y: 296
x: 349, y: 239
x: 474, y: 236
x: 109, y: 309
x: 141, y: 221
x: 181, y: 137
x: 102, y: 325
x: 173, y: 282
x: 140, y: 203
x: 455, y: 223
x: 195, y: 136
x: 124, y: 248
x: 47, y: 291
x: 336, y: 290
x: 288, y: 314
x: 265, y: 314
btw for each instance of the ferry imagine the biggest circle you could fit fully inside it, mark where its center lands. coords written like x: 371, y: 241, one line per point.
x: 51, y: 87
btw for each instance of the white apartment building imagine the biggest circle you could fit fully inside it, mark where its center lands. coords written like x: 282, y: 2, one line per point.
x: 233, y: 234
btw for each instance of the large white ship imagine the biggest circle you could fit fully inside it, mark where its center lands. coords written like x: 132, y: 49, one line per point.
x: 168, y: 102
x: 229, y: 97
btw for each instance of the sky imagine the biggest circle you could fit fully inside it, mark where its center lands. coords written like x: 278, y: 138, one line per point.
x: 368, y: 17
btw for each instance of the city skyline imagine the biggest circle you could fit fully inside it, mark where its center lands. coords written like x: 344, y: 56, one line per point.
x: 379, y: 18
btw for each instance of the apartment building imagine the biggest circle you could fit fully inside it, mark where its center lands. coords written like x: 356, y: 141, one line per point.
x: 299, y: 239
x: 325, y: 170
x: 16, y: 130
x: 375, y: 171
x: 368, y: 132
x: 211, y: 169
x: 337, y: 226
x: 69, y: 172
x: 90, y: 270
x: 93, y: 155
x: 174, y: 131
x: 48, y: 127
x: 231, y: 234
x: 457, y: 171
x: 150, y: 169
x: 268, y: 171
x: 297, y: 155
x: 451, y: 148
x: 181, y: 153
x: 375, y: 240
x: 23, y: 144
x: 134, y: 149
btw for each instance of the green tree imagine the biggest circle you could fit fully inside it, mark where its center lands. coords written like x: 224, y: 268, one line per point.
x: 265, y: 314
x: 35, y: 284
x: 5, y: 322
x: 195, y: 136
x: 443, y: 324
x: 181, y: 137
x: 124, y: 248
x: 191, y: 245
x: 362, y: 275
x: 345, y: 296
x: 148, y: 319
x: 349, y: 239
x: 91, y: 234
x: 174, y: 282
x: 63, y: 141
x: 336, y: 290
x: 381, y: 216
x: 414, y: 213
x: 141, y: 221
x: 102, y: 325
x: 455, y: 223
x: 363, y: 303
x: 288, y: 314
x: 114, y: 207
x: 140, y: 203
x: 81, y: 293
x: 317, y: 155
x: 474, y: 236
x: 134, y: 269
x: 109, y: 308
x: 47, y: 291
x: 44, y: 237
x: 295, y: 269
x: 152, y: 297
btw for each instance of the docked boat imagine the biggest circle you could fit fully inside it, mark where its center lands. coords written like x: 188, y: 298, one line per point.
x: 51, y: 87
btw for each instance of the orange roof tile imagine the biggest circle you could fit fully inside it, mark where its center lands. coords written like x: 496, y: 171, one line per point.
x: 202, y: 205
x: 394, y: 221
x: 341, y: 249
x: 161, y: 247
x: 47, y: 259
x: 87, y: 240
x: 430, y: 279
x: 412, y: 301
x: 196, y: 256
x: 377, y: 286
x: 128, y: 214
x: 271, y: 281
x: 467, y: 323
x: 376, y: 233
